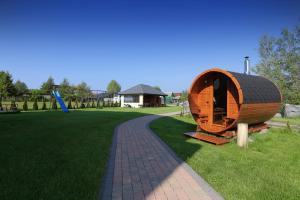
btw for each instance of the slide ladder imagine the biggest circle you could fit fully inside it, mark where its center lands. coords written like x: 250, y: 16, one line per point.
x: 60, y: 101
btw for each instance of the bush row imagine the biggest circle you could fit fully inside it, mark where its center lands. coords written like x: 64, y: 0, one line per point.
x: 70, y: 105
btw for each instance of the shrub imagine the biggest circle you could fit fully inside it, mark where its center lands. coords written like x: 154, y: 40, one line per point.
x: 98, y: 103
x: 13, y: 105
x: 44, y: 107
x: 116, y: 104
x: 70, y: 104
x: 35, y: 105
x: 54, y: 104
x: 76, y: 104
x: 93, y: 104
x: 82, y: 105
x: 25, y: 105
x: 88, y: 104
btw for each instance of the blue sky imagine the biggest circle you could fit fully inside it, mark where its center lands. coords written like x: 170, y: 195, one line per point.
x: 164, y: 43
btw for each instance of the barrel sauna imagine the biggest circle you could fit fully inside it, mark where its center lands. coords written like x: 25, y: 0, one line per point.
x: 220, y: 99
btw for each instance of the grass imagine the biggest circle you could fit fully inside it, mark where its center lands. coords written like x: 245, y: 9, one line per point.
x: 291, y: 120
x: 268, y: 169
x: 54, y: 155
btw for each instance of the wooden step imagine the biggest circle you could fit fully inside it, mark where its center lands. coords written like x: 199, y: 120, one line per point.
x: 228, y: 134
x: 207, y: 138
x: 257, y: 127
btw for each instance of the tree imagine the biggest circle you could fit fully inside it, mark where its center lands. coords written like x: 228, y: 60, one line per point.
x: 280, y: 62
x: 25, y: 105
x: 76, y: 104
x: 44, y: 107
x: 88, y: 104
x: 65, y: 89
x: 82, y: 90
x: 47, y: 86
x: 54, y: 104
x: 21, y: 88
x: 82, y: 104
x: 184, y: 96
x: 157, y: 88
x: 35, y: 93
x: 98, y: 103
x: 70, y: 104
x: 13, y: 105
x: 35, y: 105
x: 113, y: 87
x: 7, y: 88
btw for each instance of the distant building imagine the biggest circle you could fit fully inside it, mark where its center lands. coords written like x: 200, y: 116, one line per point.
x: 142, y: 96
x: 176, y: 98
x: 173, y: 97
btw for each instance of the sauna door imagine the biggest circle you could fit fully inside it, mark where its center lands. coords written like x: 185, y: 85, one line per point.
x: 219, y: 99
x: 207, y: 99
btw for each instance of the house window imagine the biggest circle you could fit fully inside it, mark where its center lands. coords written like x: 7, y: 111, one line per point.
x: 131, y: 99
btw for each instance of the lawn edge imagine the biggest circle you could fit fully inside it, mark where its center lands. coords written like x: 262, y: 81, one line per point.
x: 106, y: 183
x: 197, y: 177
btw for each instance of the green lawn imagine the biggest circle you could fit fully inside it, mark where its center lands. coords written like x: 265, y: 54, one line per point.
x: 268, y: 169
x: 291, y: 120
x: 55, y: 155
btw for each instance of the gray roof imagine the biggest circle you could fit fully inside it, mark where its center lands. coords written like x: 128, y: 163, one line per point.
x: 257, y: 89
x: 143, y: 89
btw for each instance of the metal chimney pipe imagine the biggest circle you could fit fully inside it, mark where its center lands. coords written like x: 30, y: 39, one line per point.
x: 247, y: 65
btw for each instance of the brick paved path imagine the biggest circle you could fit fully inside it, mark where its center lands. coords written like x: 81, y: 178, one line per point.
x: 141, y: 166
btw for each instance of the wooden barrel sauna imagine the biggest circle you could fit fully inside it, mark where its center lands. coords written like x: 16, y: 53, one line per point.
x: 220, y: 99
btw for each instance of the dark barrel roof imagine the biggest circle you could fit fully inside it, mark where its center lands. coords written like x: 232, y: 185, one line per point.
x: 257, y: 89
x: 143, y: 89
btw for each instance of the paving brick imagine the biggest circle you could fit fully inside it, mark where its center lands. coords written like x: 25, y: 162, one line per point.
x: 144, y: 168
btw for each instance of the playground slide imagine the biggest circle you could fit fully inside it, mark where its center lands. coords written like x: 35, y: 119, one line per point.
x: 60, y: 101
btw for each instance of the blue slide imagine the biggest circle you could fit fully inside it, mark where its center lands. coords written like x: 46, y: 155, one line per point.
x: 60, y: 101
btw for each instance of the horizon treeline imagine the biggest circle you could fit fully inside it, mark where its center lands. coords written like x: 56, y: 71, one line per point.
x: 9, y: 88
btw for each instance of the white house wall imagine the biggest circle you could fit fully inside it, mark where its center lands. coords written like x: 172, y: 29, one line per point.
x: 133, y: 105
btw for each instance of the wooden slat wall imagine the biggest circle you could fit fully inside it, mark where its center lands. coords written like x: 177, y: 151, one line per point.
x: 256, y: 113
x: 194, y: 105
x: 232, y: 101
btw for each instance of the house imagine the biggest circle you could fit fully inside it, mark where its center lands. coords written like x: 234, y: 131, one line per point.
x: 176, y: 98
x: 142, y: 96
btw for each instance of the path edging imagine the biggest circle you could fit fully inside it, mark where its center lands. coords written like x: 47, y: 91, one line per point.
x: 106, y: 184
x: 206, y: 187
